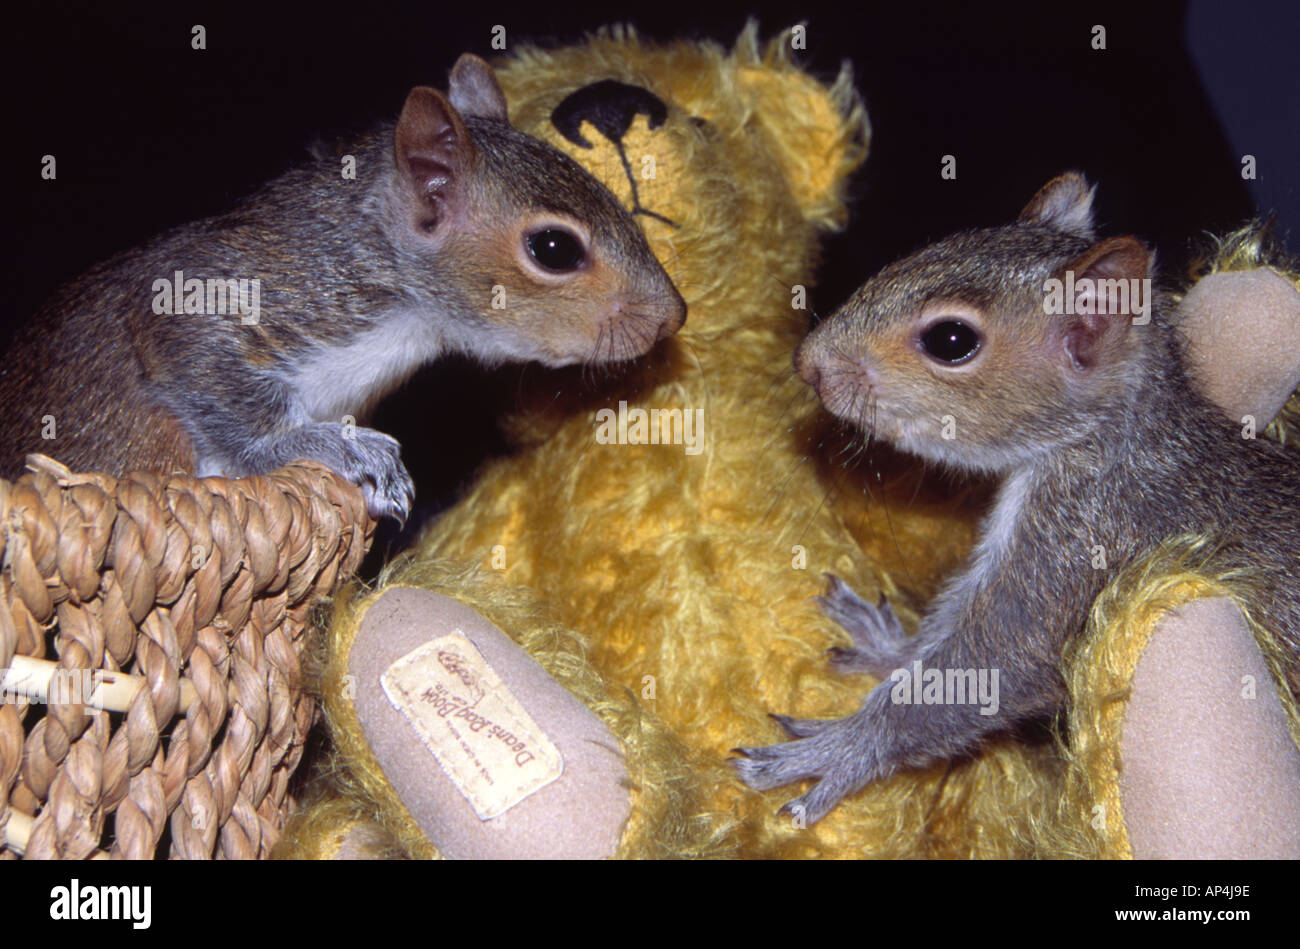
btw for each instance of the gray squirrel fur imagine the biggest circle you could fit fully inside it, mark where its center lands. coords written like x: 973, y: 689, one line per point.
x: 361, y: 282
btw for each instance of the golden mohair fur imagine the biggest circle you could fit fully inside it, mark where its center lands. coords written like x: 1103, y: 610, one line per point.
x: 678, y: 589
x: 320, y: 830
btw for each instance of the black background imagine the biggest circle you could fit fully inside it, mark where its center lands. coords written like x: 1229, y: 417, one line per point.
x: 149, y: 133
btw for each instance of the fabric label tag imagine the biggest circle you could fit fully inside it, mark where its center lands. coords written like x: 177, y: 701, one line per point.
x: 491, y: 748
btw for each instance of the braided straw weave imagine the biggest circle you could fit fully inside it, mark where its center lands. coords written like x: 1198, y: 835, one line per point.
x: 191, y: 598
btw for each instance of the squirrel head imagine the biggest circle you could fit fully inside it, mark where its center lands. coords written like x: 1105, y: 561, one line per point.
x: 992, y: 346
x: 540, y: 260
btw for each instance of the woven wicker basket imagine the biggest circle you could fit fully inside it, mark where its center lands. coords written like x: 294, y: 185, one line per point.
x: 151, y: 633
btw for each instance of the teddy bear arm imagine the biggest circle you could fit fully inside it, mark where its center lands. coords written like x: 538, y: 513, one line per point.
x: 1209, y: 767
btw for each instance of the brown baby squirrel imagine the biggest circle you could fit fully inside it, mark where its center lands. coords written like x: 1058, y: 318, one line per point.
x: 1023, y: 352
x: 233, y: 345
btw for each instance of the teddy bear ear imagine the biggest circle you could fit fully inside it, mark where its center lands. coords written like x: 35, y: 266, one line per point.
x: 819, y: 133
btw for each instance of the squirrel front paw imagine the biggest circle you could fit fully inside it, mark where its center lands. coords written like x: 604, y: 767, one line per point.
x: 894, y: 729
x: 880, y: 644
x: 374, y: 461
x: 385, y: 481
x: 839, y: 753
x: 364, y: 456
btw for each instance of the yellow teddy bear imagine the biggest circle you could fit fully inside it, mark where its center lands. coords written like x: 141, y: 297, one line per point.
x: 656, y: 542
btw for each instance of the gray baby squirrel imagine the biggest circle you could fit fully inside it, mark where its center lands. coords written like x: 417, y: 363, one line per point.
x: 964, y: 355
x: 458, y: 234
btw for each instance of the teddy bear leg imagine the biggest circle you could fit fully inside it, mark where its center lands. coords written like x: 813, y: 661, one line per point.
x: 490, y: 756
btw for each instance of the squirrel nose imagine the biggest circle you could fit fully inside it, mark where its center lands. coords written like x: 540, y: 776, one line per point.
x: 669, y: 327
x: 678, y: 318
x: 806, y: 367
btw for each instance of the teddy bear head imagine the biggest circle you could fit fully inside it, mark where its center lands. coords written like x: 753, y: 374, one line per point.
x: 728, y: 159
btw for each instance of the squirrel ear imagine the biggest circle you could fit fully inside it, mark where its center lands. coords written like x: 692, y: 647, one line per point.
x: 1064, y: 203
x: 432, y: 147
x: 1111, y: 288
x: 474, y: 89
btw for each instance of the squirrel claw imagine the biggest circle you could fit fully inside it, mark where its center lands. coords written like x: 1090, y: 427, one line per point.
x: 799, y: 727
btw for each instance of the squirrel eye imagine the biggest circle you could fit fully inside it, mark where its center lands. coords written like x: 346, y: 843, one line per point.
x: 555, y: 249
x: 951, y: 341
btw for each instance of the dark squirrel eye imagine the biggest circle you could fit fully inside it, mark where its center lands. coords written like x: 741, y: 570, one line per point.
x: 555, y: 249
x: 951, y: 341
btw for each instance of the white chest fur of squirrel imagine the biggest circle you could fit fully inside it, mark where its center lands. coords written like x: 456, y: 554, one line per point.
x: 458, y: 234
x: 962, y: 354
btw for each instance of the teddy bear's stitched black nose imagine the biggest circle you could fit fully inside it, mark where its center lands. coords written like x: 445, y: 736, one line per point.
x: 610, y: 106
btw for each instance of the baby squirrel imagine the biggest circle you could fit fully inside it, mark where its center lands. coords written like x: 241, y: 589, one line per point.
x: 961, y: 354
x: 458, y: 234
